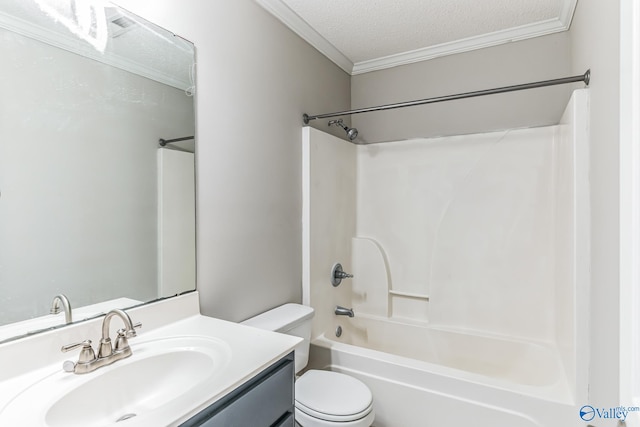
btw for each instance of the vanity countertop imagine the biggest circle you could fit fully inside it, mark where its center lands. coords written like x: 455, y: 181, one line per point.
x: 243, y: 352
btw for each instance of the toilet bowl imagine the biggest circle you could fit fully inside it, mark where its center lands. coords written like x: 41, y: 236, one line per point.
x: 322, y: 398
x: 325, y: 398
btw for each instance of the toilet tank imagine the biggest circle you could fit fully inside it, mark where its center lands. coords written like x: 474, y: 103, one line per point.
x: 290, y: 319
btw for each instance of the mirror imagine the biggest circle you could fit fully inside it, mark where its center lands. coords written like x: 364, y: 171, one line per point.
x: 91, y: 206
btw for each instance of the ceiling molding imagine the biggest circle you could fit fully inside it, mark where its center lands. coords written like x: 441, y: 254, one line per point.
x: 465, y: 45
x: 292, y: 20
x: 299, y: 26
x: 73, y: 45
x: 566, y: 14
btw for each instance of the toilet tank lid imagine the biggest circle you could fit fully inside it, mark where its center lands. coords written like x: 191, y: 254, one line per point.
x: 281, y: 319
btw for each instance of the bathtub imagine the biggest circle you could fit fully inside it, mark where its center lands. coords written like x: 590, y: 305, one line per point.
x: 430, y: 377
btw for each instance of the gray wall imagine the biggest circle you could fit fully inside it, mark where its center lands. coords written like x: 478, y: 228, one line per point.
x: 525, y: 61
x: 255, y: 80
x: 595, y: 43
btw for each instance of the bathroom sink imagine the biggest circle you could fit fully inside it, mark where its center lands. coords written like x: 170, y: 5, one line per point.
x: 158, y: 373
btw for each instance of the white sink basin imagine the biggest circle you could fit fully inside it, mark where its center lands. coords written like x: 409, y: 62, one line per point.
x: 158, y: 372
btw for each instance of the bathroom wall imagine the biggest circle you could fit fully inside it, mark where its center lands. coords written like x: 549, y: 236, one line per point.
x: 254, y: 74
x: 54, y: 129
x: 255, y: 78
x: 595, y: 43
x: 518, y: 62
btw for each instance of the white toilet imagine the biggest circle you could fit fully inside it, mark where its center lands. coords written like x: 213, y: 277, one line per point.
x: 323, y: 398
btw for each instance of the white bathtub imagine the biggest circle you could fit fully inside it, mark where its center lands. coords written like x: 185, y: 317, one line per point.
x: 427, y: 377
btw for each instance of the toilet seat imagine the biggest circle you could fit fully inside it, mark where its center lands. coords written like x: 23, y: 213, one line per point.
x: 330, y: 397
x: 331, y: 417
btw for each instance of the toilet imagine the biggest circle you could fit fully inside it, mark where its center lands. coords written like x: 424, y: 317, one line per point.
x: 322, y: 398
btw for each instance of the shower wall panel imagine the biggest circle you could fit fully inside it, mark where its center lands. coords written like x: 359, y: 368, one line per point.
x: 467, y: 222
x: 329, y: 215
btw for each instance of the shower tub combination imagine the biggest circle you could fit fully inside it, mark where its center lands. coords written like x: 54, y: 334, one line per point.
x: 520, y: 360
x: 423, y: 377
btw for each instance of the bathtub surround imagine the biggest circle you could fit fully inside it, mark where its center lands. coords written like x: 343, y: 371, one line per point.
x: 328, y: 221
x: 470, y: 259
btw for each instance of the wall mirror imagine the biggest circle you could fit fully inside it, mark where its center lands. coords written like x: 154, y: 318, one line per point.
x: 91, y: 205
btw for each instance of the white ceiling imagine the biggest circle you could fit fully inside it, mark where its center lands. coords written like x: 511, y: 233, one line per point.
x: 367, y: 35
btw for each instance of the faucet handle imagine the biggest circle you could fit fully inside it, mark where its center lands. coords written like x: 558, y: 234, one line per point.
x: 122, y: 343
x: 131, y: 332
x: 86, y: 354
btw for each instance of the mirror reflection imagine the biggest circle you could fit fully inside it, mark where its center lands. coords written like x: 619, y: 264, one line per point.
x: 92, y: 207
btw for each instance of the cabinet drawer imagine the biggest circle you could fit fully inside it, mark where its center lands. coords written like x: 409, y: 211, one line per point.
x: 262, y: 402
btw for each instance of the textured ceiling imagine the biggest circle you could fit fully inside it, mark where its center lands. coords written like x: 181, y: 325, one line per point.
x: 365, y: 31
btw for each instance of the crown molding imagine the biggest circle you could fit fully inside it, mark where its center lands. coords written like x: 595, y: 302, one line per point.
x: 288, y: 17
x: 73, y: 45
x: 465, y: 45
x: 299, y: 26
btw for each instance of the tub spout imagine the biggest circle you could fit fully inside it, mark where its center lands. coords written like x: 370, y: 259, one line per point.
x: 341, y: 311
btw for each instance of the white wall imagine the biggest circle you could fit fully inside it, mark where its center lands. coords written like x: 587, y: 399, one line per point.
x: 594, y: 38
x: 630, y: 204
x: 469, y: 221
x: 255, y: 79
x: 519, y: 62
x: 66, y: 117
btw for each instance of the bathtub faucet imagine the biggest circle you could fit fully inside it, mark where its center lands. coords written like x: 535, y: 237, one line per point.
x: 341, y: 311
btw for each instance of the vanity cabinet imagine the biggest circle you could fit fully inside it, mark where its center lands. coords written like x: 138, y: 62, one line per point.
x: 267, y: 400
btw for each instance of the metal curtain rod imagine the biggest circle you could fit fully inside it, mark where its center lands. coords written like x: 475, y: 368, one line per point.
x: 581, y: 78
x: 164, y: 142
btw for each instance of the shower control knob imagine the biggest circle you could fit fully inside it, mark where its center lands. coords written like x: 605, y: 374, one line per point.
x: 342, y: 275
x: 337, y: 274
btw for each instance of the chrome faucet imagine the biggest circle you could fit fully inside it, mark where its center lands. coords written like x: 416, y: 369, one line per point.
x: 107, y: 354
x: 341, y: 311
x: 58, y: 300
x: 106, y: 349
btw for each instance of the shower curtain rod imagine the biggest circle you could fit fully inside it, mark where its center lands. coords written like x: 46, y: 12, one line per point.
x: 573, y: 79
x: 164, y: 142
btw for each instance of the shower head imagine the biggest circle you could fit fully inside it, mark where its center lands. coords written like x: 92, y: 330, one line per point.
x: 352, y: 133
